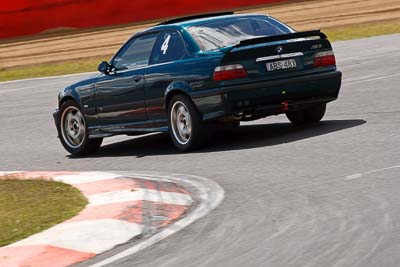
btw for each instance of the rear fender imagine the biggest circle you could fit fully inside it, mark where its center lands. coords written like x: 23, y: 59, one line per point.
x: 179, y: 87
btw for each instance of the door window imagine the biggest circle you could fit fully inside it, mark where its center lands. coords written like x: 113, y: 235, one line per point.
x: 136, y: 53
x: 169, y: 47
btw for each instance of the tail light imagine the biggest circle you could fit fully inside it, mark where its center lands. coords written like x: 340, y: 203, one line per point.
x: 323, y: 59
x: 229, y: 72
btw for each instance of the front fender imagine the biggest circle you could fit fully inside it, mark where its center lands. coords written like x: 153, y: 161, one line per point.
x: 68, y: 94
x: 83, y: 95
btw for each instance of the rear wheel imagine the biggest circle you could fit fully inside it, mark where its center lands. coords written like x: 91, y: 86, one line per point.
x: 185, y: 126
x: 73, y: 131
x: 306, y: 116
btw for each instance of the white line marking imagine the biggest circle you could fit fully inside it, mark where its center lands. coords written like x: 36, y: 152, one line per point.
x: 383, y: 169
x: 353, y: 176
x: 30, y: 87
x: 210, y: 195
x: 359, y: 175
x: 85, y: 177
x: 172, y: 198
x: 49, y: 77
x: 36, y: 87
x: 93, y: 236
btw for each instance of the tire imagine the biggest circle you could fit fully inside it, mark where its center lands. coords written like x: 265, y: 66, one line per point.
x: 315, y: 114
x: 186, y: 128
x: 307, y: 116
x: 296, y: 117
x: 73, y: 131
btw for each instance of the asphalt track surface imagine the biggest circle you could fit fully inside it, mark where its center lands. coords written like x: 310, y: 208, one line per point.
x: 327, y: 195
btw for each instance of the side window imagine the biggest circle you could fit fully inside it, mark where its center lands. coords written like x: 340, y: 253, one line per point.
x: 136, y: 53
x: 169, y: 47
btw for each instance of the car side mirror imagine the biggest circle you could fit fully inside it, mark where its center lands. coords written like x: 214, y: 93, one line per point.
x: 104, y: 67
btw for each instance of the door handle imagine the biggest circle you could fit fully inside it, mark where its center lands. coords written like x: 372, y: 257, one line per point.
x: 137, y: 79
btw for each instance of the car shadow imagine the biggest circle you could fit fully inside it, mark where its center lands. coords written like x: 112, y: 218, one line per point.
x: 244, y: 137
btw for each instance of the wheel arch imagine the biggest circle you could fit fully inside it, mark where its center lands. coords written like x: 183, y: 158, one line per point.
x: 174, y: 89
x: 65, y: 99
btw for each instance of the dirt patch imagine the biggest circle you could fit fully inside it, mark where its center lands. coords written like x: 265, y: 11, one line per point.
x: 301, y: 15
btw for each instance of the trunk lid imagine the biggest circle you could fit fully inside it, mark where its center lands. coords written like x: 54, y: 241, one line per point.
x: 278, y: 56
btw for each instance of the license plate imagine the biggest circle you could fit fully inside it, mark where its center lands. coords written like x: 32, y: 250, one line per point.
x: 281, y: 65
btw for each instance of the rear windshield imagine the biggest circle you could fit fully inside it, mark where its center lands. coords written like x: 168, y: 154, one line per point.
x: 229, y: 32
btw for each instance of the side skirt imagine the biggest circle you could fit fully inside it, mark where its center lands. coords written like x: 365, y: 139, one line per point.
x: 128, y: 129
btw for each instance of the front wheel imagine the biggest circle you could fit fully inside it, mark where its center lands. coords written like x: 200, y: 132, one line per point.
x: 185, y: 126
x: 73, y: 131
x: 307, y: 116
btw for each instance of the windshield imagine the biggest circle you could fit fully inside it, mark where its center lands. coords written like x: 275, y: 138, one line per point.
x: 224, y: 33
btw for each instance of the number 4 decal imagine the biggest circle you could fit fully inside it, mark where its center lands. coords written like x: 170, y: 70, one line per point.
x: 164, y: 46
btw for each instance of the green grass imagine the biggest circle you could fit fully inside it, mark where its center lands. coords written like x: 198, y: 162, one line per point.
x: 51, y: 69
x: 88, y: 65
x: 31, y: 206
x: 362, y: 31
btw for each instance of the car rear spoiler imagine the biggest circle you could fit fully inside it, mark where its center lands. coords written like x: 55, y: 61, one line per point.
x: 275, y: 38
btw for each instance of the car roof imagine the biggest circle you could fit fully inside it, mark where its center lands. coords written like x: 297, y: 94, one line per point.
x: 193, y: 17
x: 189, y: 22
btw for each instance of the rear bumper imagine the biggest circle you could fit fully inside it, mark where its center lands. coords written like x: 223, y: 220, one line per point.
x: 269, y: 97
